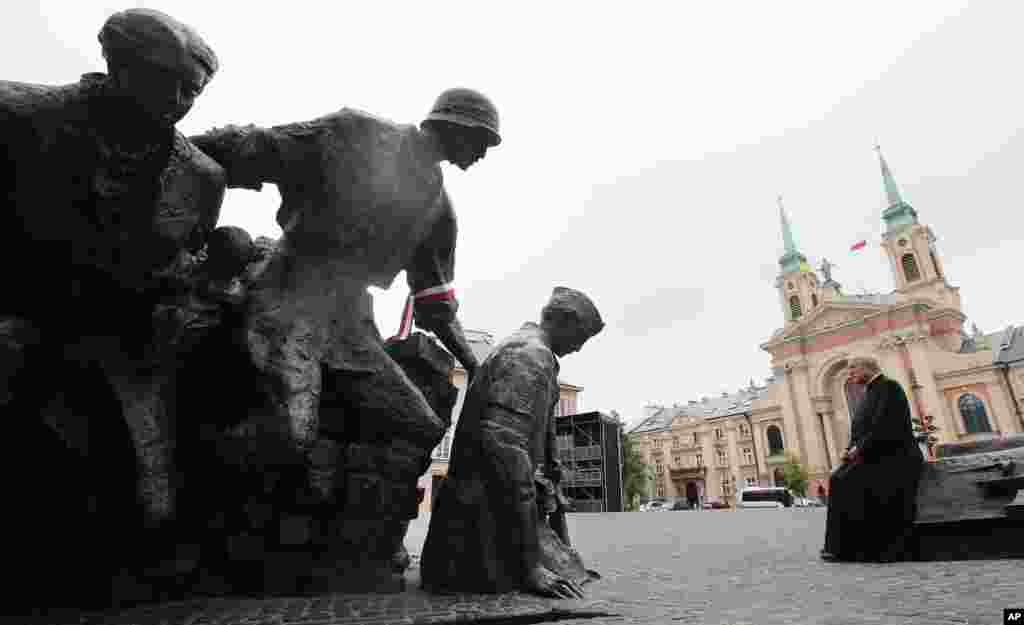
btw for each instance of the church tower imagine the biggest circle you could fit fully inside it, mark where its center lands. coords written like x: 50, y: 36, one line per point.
x: 797, y: 283
x: 910, y: 246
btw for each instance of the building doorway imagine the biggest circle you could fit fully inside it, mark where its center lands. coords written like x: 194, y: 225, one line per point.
x: 692, y: 495
x: 778, y: 478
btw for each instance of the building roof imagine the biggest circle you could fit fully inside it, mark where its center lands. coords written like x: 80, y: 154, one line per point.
x: 724, y: 405
x: 1009, y: 346
x: 876, y: 299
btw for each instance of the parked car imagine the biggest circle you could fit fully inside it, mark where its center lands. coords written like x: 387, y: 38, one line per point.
x: 715, y: 504
x: 807, y: 502
x: 657, y: 505
x: 765, y: 497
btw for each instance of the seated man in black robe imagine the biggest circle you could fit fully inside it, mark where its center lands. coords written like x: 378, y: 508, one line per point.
x: 872, y: 503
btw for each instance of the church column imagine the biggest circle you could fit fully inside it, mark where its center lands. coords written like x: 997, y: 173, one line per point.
x: 804, y: 417
x: 830, y: 437
x: 760, y: 450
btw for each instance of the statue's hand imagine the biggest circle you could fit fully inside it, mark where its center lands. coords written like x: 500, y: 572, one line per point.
x: 542, y: 581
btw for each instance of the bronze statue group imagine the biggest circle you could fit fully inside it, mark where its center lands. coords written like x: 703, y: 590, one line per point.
x: 155, y: 367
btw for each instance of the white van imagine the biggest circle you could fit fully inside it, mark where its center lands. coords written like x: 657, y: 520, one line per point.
x: 765, y: 497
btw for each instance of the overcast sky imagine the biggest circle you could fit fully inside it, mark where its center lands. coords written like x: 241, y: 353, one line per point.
x: 644, y: 147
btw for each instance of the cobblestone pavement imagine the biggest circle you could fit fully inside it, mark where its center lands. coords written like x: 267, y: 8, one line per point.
x: 756, y: 567
x: 761, y: 567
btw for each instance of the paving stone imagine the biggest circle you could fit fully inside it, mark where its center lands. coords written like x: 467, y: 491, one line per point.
x: 686, y: 567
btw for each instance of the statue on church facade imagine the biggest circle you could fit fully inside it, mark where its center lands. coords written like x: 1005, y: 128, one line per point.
x: 499, y: 524
x: 826, y: 269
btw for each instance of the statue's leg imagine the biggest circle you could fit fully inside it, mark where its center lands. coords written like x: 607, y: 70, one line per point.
x: 16, y: 337
x: 509, y: 472
x: 392, y: 431
x: 287, y: 349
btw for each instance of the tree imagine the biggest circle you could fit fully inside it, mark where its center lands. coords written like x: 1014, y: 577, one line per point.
x: 794, y: 475
x: 636, y: 475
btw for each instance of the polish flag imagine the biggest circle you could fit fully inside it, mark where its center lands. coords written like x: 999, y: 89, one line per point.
x: 858, y: 245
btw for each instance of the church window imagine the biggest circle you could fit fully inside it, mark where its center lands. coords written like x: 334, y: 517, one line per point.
x: 814, y: 299
x: 910, y: 269
x: 775, y: 446
x: 794, y: 306
x: 973, y: 412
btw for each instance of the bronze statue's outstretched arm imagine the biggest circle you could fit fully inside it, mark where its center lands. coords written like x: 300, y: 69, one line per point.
x: 249, y: 154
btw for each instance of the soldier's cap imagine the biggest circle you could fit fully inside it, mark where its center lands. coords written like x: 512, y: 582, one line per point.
x: 154, y: 37
x: 566, y: 299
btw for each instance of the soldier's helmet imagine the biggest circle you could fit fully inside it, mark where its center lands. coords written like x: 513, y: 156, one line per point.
x: 469, y: 108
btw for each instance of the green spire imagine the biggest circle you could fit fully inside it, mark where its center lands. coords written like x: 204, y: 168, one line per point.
x: 791, y: 259
x: 897, y: 213
x: 787, y: 232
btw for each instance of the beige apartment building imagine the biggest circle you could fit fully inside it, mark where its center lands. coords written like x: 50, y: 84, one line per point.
x: 481, y: 344
x: 971, y: 385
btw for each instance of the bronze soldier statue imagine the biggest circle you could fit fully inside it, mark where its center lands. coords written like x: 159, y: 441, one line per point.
x: 362, y: 200
x: 106, y: 200
x: 498, y: 525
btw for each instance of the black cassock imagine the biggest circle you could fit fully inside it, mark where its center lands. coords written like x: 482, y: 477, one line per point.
x: 872, y: 503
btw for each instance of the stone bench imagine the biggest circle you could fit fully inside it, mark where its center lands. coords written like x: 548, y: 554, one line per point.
x: 970, y: 501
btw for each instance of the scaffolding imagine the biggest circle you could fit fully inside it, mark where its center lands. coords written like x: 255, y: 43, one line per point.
x: 590, y: 449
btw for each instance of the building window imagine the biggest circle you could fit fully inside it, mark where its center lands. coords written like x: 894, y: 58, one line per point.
x: 775, y: 446
x: 779, y: 478
x: 721, y: 458
x: 694, y: 438
x: 751, y: 481
x: 814, y: 299
x: 718, y: 434
x: 910, y: 269
x: 675, y: 442
x: 748, y: 456
x: 972, y: 410
x: 794, y: 307
x: 700, y: 460
x: 744, y: 430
